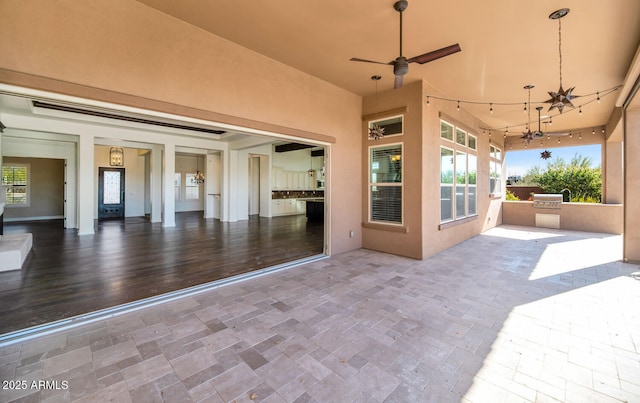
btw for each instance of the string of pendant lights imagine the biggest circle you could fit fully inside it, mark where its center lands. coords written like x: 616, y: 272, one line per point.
x: 558, y: 140
x: 560, y: 99
x: 594, y: 97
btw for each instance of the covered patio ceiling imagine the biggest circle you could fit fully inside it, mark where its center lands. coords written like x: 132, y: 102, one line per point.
x: 505, y: 46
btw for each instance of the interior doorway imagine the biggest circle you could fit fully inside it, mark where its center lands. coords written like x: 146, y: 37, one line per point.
x: 110, y: 193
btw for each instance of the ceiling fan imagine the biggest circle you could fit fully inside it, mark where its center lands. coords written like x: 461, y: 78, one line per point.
x: 401, y: 63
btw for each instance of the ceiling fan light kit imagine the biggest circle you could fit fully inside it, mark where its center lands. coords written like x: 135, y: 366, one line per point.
x: 401, y: 63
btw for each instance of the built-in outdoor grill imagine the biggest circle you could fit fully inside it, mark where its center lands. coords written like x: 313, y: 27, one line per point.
x: 549, y: 201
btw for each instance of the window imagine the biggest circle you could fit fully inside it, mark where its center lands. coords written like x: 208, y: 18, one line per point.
x: 192, y: 188
x: 393, y: 126
x: 177, y: 180
x: 472, y: 142
x: 446, y: 184
x: 495, y: 170
x: 461, y: 184
x: 472, y: 167
x: 458, y: 174
x: 446, y: 130
x: 385, y: 184
x: 16, y: 178
x: 461, y: 137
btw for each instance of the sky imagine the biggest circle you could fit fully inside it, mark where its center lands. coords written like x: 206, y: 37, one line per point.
x: 519, y: 162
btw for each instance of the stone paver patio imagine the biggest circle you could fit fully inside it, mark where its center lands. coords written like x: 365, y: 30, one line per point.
x: 513, y: 315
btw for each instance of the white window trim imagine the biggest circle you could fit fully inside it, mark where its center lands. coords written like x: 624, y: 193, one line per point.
x: 396, y: 184
x: 456, y: 147
x: 452, y: 184
x: 382, y: 119
x: 28, y: 166
x: 494, y: 160
x: 475, y: 138
x: 453, y: 127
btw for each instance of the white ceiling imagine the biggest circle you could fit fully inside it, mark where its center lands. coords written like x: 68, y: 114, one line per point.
x: 506, y: 44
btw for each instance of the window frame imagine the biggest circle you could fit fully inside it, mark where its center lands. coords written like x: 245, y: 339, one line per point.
x: 495, y: 168
x: 450, y: 185
x: 371, y: 185
x: 371, y: 122
x: 458, y: 150
x: 453, y: 131
x: 27, y: 186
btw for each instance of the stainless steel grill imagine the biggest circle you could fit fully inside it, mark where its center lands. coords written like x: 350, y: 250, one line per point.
x: 548, y: 201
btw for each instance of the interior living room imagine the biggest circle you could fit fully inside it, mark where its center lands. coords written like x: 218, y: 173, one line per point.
x: 228, y: 201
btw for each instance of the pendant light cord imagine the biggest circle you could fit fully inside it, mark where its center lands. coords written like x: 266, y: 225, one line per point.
x: 560, y: 47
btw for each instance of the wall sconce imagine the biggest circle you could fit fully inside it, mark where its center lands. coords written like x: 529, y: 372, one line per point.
x: 116, y: 157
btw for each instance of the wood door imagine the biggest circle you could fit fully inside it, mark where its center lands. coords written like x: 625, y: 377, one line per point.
x: 110, y: 193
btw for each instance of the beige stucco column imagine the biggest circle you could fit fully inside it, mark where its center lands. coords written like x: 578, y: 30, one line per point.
x: 613, y: 179
x: 631, y: 248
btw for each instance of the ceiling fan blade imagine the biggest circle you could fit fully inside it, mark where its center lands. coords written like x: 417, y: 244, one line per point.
x: 355, y: 59
x: 397, y: 82
x: 436, y: 54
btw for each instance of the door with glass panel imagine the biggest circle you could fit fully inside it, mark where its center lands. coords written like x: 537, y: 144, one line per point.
x: 110, y: 193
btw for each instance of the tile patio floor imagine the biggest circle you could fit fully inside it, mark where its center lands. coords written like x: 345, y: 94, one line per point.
x: 513, y: 315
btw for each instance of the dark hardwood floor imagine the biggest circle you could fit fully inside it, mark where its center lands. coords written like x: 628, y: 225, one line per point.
x: 128, y: 260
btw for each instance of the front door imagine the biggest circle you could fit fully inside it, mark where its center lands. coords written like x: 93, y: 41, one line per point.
x: 110, y: 193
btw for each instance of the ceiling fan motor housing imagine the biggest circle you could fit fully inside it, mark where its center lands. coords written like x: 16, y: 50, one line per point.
x: 400, y: 66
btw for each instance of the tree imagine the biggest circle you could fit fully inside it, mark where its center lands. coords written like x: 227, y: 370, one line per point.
x: 584, y: 182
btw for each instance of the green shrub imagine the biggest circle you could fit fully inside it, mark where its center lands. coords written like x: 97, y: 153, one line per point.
x: 511, y: 196
x: 584, y: 182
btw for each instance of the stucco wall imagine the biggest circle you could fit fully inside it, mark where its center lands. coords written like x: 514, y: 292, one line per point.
x: 406, y: 239
x: 123, y: 52
x: 631, y: 241
x: 435, y: 237
x: 421, y: 234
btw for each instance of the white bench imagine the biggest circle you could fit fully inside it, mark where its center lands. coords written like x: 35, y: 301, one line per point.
x: 14, y: 249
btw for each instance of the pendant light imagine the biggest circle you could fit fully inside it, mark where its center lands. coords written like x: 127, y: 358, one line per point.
x: 199, y: 176
x: 561, y: 98
x: 116, y: 157
x: 376, y: 132
x: 527, y: 136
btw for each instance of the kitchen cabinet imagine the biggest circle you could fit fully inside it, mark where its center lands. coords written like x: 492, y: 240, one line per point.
x: 291, y: 180
x: 288, y: 207
x: 301, y: 206
x: 315, y: 210
x: 277, y: 207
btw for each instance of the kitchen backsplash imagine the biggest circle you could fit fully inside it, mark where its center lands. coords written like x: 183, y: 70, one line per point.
x: 296, y: 194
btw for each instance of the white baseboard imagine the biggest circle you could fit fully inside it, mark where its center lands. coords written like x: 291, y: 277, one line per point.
x: 41, y: 218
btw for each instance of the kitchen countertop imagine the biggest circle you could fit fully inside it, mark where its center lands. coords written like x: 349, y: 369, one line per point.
x: 312, y: 199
